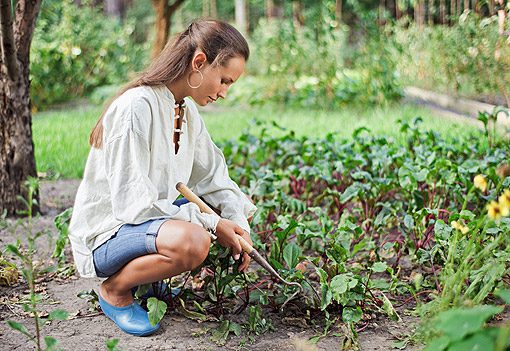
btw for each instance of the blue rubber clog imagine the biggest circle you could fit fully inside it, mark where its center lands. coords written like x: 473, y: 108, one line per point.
x: 131, y: 319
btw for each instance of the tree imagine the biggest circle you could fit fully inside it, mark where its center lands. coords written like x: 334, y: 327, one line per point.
x: 164, y: 13
x: 241, y: 16
x: 297, y: 14
x: 17, y: 161
x: 274, y: 9
x: 209, y: 8
x: 442, y: 11
x: 116, y: 8
x: 338, y: 10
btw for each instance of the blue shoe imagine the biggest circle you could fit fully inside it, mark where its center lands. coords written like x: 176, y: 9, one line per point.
x: 159, y: 290
x: 131, y: 319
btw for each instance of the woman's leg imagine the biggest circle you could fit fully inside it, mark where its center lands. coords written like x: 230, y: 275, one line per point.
x: 181, y: 246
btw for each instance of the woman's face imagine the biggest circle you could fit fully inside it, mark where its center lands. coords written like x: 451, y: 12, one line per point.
x: 216, y: 80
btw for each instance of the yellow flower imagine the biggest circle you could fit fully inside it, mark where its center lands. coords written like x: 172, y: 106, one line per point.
x: 460, y: 227
x: 504, y: 200
x: 480, y: 182
x: 495, y: 211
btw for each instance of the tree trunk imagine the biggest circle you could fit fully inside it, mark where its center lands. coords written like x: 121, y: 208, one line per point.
x: 297, y: 14
x: 453, y: 10
x: 116, y: 8
x: 269, y: 9
x: 490, y: 3
x: 382, y: 6
x: 273, y: 10
x: 164, y: 12
x: 398, y: 12
x: 206, y: 8
x: 338, y: 11
x: 113, y: 8
x: 162, y: 26
x: 466, y: 5
x: 419, y: 13
x: 17, y: 161
x: 241, y: 18
x: 442, y: 11
x: 431, y: 11
x: 209, y: 9
x: 214, y: 9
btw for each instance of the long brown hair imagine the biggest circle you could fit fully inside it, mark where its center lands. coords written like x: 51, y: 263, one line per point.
x: 218, y: 40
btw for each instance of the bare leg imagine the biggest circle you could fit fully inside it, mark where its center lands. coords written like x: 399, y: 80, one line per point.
x: 181, y: 247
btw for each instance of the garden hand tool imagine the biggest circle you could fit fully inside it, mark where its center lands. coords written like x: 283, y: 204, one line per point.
x: 254, y: 254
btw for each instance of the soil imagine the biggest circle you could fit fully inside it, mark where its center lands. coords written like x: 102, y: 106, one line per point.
x: 90, y: 329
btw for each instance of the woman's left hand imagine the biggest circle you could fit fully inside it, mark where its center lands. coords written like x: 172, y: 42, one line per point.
x: 246, y: 258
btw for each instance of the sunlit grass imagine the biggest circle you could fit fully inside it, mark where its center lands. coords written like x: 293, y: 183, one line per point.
x: 229, y: 123
x: 61, y: 137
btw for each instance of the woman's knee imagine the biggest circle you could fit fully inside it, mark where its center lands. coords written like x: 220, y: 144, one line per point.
x: 185, y: 243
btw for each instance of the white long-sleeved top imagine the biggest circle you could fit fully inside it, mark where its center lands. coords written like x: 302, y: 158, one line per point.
x: 132, y: 178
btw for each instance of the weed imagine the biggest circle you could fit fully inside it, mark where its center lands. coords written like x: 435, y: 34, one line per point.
x: 30, y: 273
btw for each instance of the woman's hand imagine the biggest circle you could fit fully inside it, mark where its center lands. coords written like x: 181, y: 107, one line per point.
x: 227, y: 233
x: 246, y: 258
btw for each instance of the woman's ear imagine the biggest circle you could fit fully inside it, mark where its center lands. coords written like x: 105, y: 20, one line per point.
x: 199, y: 60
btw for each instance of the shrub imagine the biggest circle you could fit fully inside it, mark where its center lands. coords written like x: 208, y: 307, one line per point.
x: 305, y: 66
x: 75, y: 50
x: 469, y: 58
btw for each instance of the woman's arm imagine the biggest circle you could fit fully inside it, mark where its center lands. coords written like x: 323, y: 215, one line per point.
x: 210, y: 180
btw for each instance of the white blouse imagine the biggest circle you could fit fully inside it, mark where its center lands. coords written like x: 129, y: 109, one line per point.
x: 132, y: 178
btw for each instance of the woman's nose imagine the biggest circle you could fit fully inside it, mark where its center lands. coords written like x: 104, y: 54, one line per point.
x: 223, y: 93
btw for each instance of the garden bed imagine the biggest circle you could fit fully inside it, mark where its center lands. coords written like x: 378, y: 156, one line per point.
x: 89, y: 329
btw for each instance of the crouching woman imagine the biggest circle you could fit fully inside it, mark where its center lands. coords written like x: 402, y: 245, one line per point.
x: 126, y: 225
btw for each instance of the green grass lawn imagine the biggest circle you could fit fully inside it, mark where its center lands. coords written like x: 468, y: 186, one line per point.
x: 61, y: 137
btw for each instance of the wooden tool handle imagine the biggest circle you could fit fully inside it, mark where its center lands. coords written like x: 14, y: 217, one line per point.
x: 188, y: 194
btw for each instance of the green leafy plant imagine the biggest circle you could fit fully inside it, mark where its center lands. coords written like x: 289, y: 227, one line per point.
x: 62, y: 224
x: 30, y: 273
x: 221, y: 333
x: 465, y: 328
x: 489, y: 122
x: 111, y: 345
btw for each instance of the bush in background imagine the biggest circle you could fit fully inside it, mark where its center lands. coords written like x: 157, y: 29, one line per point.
x: 306, y: 67
x: 76, y: 50
x: 469, y: 58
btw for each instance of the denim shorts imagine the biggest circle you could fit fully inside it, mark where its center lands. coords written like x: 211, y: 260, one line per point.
x: 129, y: 242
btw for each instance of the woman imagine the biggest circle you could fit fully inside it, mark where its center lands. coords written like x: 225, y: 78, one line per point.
x: 125, y: 226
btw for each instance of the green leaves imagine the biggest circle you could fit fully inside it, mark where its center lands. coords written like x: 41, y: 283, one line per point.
x: 379, y: 267
x: 291, y: 254
x: 157, y: 310
x: 350, y: 192
x: 111, y: 344
x: 409, y: 222
x: 60, y: 315
x: 442, y: 230
x: 19, y: 327
x: 457, y: 323
x: 463, y: 329
x: 352, y: 314
x: 341, y: 283
x: 220, y: 334
x: 196, y: 316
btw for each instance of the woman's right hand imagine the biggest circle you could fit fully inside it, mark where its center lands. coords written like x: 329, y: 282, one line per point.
x: 228, y: 236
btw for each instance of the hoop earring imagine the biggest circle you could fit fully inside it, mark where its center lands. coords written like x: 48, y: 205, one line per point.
x: 201, y: 80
